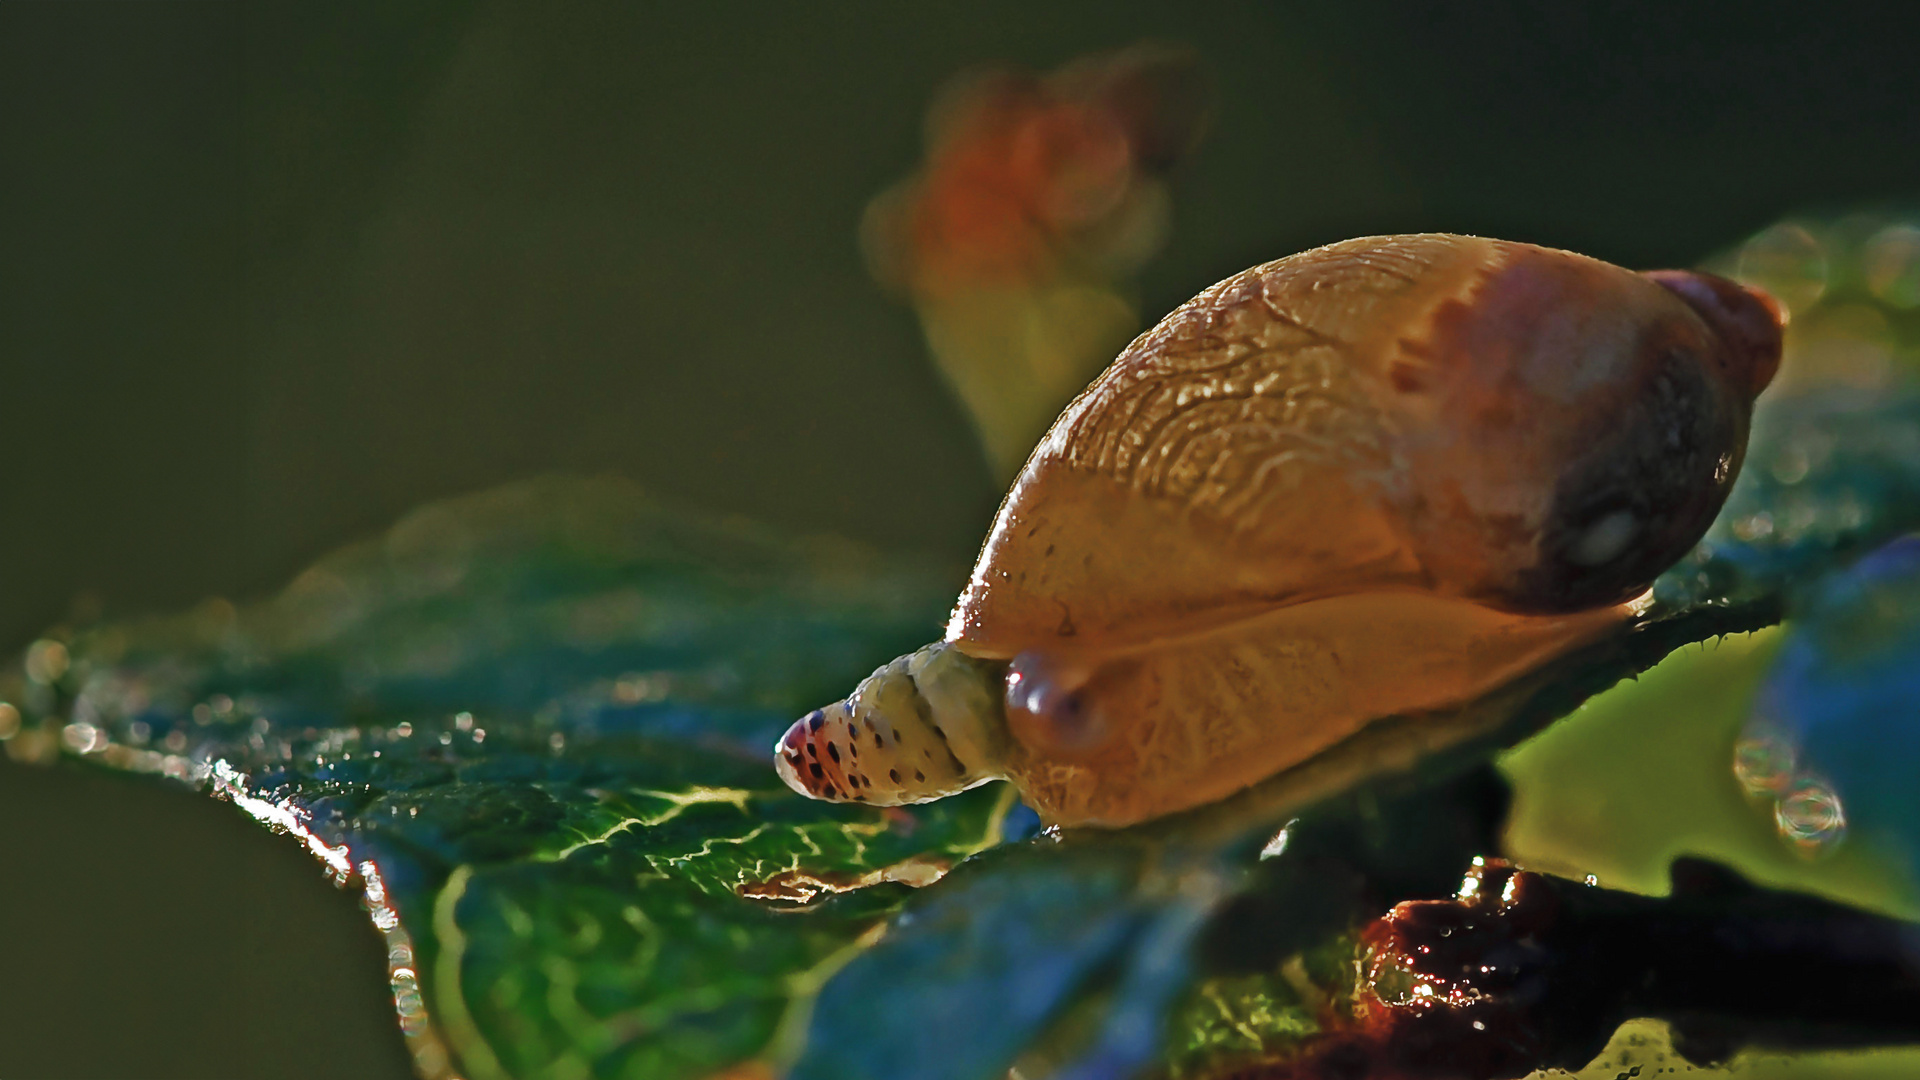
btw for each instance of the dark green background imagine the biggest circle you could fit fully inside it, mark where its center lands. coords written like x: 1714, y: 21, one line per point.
x: 271, y: 274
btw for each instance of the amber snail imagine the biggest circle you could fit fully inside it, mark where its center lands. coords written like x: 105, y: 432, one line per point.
x: 1373, y: 479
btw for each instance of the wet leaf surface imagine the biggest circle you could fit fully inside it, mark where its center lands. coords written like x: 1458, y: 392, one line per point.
x: 533, y: 726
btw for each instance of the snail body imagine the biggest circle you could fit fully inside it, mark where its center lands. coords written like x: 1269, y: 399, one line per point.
x: 1373, y: 479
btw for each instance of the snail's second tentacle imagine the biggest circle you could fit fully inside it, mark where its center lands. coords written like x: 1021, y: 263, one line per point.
x: 925, y: 726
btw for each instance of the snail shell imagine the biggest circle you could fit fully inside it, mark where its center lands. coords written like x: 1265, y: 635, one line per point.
x: 1377, y: 478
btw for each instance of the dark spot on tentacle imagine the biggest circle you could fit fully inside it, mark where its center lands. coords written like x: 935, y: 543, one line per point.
x: 812, y: 751
x: 818, y: 773
x: 833, y: 751
x: 894, y: 775
x: 919, y: 776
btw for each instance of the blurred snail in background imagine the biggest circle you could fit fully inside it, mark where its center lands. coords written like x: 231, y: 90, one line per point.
x: 1040, y: 195
x: 1373, y: 479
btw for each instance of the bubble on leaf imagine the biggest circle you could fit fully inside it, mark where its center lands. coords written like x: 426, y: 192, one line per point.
x: 46, y: 661
x: 1811, y: 817
x: 1764, y: 765
x: 1789, y: 262
x: 1754, y: 526
x: 83, y: 738
x: 1891, y: 262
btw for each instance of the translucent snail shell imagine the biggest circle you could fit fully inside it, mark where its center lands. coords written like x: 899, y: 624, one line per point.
x: 1373, y: 479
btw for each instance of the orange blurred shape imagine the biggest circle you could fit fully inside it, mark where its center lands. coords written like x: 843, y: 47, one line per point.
x: 1032, y: 177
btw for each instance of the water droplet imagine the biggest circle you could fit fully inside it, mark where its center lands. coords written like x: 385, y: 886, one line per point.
x: 1277, y: 846
x: 1754, y: 527
x: 83, y: 738
x: 1850, y: 513
x: 1790, y: 465
x: 1811, y: 817
x: 1891, y: 261
x: 46, y: 661
x: 1763, y: 765
x: 1789, y: 262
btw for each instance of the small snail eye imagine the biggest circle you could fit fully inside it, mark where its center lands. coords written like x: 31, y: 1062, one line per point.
x: 1605, y: 539
x: 1047, y: 705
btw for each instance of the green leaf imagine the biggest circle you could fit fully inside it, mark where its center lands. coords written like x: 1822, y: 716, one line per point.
x: 534, y: 726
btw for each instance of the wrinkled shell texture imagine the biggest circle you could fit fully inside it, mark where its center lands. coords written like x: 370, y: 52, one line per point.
x: 1250, y: 534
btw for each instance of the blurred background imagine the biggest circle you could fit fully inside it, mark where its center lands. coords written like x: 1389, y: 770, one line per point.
x: 271, y: 275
